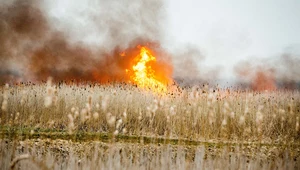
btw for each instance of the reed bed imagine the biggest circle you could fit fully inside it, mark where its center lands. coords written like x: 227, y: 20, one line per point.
x: 197, y: 113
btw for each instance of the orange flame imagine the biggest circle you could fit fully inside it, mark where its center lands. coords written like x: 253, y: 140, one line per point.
x: 143, y: 75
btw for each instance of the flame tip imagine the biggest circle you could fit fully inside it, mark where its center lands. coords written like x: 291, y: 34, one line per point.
x: 142, y: 72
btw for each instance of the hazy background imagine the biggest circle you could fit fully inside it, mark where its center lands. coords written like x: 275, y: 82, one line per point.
x: 233, y: 30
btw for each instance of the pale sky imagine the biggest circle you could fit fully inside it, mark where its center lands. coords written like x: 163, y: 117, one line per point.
x: 233, y: 30
x: 226, y: 32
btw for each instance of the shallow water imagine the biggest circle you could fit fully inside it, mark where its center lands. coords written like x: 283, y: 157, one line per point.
x: 67, y: 154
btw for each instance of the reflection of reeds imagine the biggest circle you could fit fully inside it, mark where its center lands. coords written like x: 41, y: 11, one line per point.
x: 18, y: 159
x: 5, y: 98
x: 64, y: 154
x: 191, y: 113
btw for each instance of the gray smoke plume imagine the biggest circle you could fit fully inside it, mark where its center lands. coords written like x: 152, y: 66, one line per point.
x: 278, y: 72
x: 189, y: 68
x: 34, y: 45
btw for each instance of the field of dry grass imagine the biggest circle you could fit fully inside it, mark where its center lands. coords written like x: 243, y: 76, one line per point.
x: 196, y: 113
x: 181, y: 116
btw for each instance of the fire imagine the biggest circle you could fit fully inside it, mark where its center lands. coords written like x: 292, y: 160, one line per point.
x: 143, y: 75
x: 263, y: 80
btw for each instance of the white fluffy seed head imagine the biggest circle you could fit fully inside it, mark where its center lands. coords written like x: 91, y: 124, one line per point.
x: 242, y: 120
x: 161, y: 103
x: 104, y: 105
x: 4, y: 105
x: 211, y: 118
x: 88, y: 107
x: 49, y: 81
x: 119, y: 122
x: 246, y: 110
x: 259, y: 117
x: 32, y: 132
x: 232, y: 114
x: 97, y: 105
x: 116, y: 132
x: 168, y: 118
x: 154, y: 109
x: 226, y: 106
x: 297, y: 124
x: 70, y: 117
x: 76, y: 114
x: 210, y: 96
x: 22, y: 101
x: 172, y: 110
x: 111, y: 120
x: 224, y: 122
x: 48, y: 101
x: 140, y: 116
x: 83, y: 115
x: 125, y: 114
x: 96, y: 115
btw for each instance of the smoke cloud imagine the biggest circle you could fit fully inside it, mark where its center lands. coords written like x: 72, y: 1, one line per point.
x: 34, y: 46
x: 271, y: 73
x: 190, y: 70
